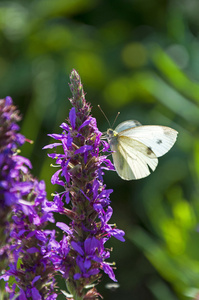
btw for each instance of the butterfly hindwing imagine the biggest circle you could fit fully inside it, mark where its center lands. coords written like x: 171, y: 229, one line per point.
x: 121, y: 164
x: 127, y: 124
x: 138, y: 157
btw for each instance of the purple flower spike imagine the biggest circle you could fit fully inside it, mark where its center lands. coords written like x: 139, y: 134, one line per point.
x: 23, y: 216
x: 81, y: 253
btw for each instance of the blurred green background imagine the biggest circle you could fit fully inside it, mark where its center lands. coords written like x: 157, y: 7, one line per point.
x: 139, y: 57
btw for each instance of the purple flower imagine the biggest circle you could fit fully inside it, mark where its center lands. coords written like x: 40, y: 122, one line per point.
x: 23, y: 216
x: 81, y: 255
x: 11, y: 166
x: 30, y: 245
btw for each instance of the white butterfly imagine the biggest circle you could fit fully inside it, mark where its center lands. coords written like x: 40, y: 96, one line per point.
x: 136, y: 147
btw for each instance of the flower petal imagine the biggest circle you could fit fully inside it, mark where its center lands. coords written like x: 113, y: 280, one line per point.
x: 72, y: 117
x: 64, y: 227
x: 83, y: 149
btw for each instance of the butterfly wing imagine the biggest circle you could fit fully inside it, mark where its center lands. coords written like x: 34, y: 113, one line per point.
x: 132, y: 158
x: 127, y: 124
x: 159, y: 139
x: 121, y: 166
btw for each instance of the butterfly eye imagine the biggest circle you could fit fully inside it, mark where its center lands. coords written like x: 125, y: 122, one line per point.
x: 110, y: 131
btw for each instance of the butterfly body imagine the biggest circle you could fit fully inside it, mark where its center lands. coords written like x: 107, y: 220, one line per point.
x: 136, y: 147
x: 112, y: 137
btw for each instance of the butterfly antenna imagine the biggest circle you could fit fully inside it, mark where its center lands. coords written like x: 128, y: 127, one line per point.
x: 116, y: 118
x: 104, y: 115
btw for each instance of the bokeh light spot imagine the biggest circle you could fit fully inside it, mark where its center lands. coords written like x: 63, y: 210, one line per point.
x: 134, y: 55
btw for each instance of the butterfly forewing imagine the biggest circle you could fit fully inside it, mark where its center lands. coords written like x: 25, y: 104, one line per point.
x: 158, y: 138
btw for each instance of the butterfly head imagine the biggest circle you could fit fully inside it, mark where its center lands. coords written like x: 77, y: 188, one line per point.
x: 111, y: 135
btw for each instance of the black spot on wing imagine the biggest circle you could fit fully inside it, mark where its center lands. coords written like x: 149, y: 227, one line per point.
x: 149, y: 150
x: 159, y: 141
